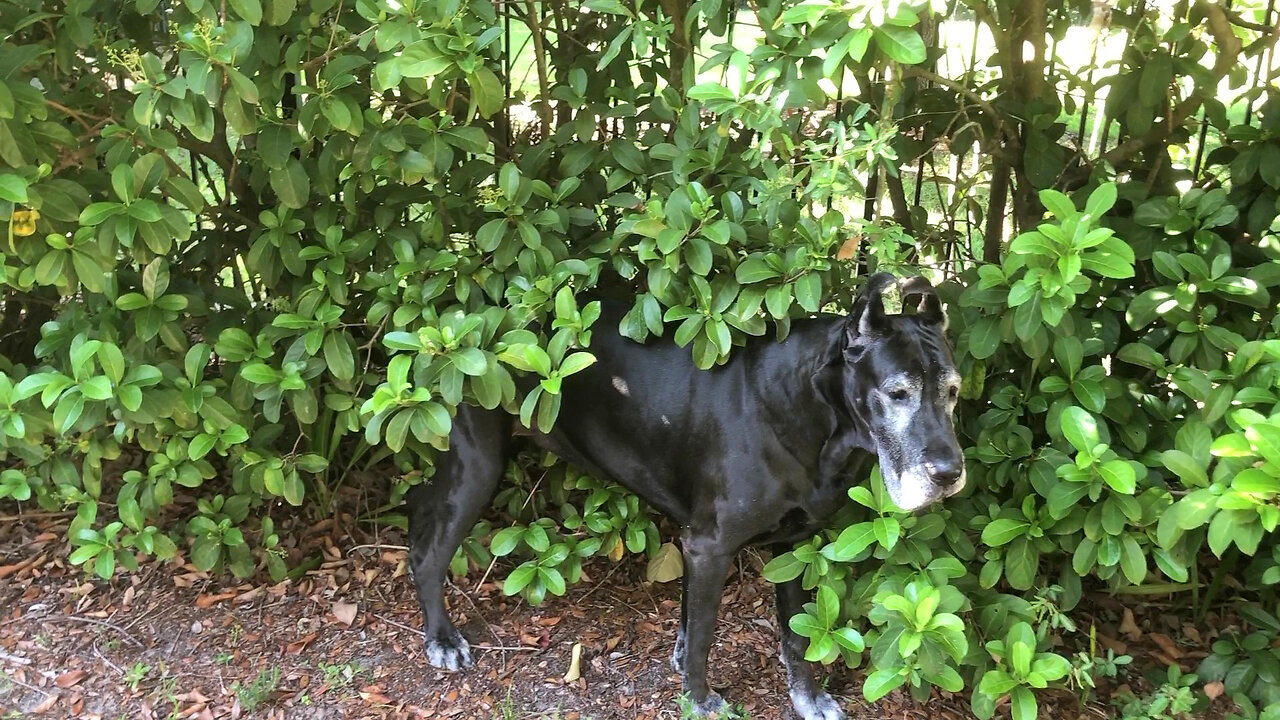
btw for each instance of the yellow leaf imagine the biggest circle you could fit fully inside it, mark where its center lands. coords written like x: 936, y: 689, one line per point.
x: 24, y: 222
x: 666, y: 565
x: 575, y: 664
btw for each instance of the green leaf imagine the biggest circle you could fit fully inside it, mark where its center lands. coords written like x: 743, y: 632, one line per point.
x: 1002, y: 531
x: 1102, y: 199
x: 250, y: 10
x: 1132, y: 560
x: 97, y: 213
x: 1080, y: 428
x: 470, y: 361
x: 1021, y: 563
x: 292, y: 185
x: 754, y: 269
x: 887, y: 530
x: 901, y: 44
x: 1265, y: 438
x: 520, y: 578
x: 1023, y: 705
x: 881, y: 683
x: 1119, y: 475
x: 828, y: 606
x: 852, y: 541
x: 808, y: 290
x: 13, y: 188
x: 984, y: 338
x: 1185, y: 467
x: 505, y: 541
x: 576, y: 362
x: 783, y: 568
x: 338, y: 356
x: 487, y: 93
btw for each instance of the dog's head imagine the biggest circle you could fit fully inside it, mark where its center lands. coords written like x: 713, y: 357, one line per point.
x: 900, y: 380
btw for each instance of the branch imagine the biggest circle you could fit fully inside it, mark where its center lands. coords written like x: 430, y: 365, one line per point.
x: 544, y: 88
x: 1228, y: 53
x: 1002, y: 128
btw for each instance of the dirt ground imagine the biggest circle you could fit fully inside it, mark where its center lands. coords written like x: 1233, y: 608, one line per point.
x: 343, y: 642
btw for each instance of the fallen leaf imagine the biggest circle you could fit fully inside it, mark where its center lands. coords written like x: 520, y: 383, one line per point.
x: 71, y: 679
x: 1129, y: 626
x: 298, y: 646
x: 1214, y: 690
x: 46, y: 706
x: 575, y: 664
x: 666, y: 565
x: 345, y: 612
x: 206, y: 601
x: 1166, y: 644
x: 1119, y: 647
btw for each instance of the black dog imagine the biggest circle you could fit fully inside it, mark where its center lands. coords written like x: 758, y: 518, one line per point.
x: 759, y: 451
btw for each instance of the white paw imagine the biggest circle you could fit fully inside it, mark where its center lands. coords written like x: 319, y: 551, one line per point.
x: 452, y: 656
x: 714, y: 707
x: 816, y: 707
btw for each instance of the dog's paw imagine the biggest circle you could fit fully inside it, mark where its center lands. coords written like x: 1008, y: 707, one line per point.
x: 816, y: 707
x: 713, y: 708
x: 451, y: 655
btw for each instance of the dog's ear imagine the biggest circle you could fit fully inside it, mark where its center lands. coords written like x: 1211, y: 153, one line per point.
x: 928, y: 306
x: 868, y: 315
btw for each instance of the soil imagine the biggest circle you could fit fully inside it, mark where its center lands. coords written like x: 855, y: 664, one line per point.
x: 170, y: 641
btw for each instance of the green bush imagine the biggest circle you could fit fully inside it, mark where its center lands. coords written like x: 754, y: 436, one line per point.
x: 257, y: 249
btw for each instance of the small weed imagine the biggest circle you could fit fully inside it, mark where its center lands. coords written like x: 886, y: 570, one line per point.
x: 1173, y: 700
x: 341, y: 676
x: 136, y: 674
x: 259, y: 690
x: 224, y: 658
x: 237, y: 635
x: 507, y: 709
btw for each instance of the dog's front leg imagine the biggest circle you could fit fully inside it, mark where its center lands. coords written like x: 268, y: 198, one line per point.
x: 707, y: 564
x: 810, y: 701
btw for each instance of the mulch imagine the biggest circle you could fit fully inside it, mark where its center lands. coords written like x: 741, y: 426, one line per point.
x: 342, y: 641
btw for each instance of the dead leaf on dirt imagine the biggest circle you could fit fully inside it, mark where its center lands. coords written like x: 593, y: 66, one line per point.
x: 298, y: 646
x: 373, y: 694
x: 1119, y: 647
x: 71, y: 679
x: 575, y: 664
x: 1214, y: 690
x: 1166, y: 644
x: 46, y: 706
x: 1129, y: 626
x: 207, y: 601
x: 666, y: 565
x: 345, y: 612
x: 548, y: 621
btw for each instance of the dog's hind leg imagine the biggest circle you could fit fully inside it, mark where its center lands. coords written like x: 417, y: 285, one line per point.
x: 441, y: 513
x: 706, y: 565
x: 810, y: 701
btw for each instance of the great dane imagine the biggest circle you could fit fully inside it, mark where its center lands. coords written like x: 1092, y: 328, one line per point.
x: 759, y: 451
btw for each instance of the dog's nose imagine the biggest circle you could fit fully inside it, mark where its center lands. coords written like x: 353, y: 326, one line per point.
x: 945, y: 473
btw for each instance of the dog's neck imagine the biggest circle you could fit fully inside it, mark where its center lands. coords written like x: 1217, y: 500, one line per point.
x: 815, y: 413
